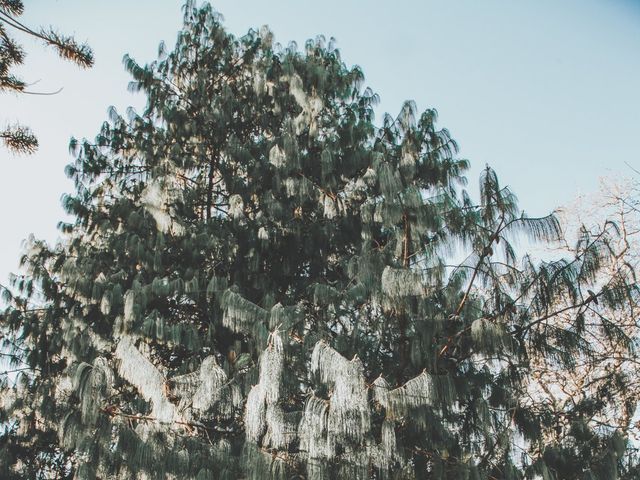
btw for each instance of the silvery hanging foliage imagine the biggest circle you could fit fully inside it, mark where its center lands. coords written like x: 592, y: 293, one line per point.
x: 260, y: 281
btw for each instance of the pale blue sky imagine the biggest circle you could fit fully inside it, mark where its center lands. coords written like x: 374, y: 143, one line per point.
x: 546, y: 92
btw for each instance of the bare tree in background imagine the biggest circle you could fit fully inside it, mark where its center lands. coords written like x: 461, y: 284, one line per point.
x: 609, y: 220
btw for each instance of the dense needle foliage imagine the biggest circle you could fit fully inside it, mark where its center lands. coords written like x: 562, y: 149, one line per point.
x: 261, y: 283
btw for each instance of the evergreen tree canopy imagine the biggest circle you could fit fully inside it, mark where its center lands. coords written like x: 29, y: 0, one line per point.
x: 260, y: 282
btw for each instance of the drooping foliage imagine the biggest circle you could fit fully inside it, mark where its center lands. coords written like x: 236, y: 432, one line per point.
x: 261, y: 283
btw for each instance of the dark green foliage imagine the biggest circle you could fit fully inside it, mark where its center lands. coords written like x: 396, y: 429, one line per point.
x: 261, y: 283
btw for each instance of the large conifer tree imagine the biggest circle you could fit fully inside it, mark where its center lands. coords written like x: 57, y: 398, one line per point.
x: 261, y: 283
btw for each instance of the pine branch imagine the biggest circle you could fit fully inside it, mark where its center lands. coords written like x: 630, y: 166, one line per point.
x: 486, y: 251
x: 522, y: 330
x: 19, y: 139
x: 23, y: 369
x: 66, y: 46
x: 113, y: 412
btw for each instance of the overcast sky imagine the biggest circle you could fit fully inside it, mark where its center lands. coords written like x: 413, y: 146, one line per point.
x: 546, y: 92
